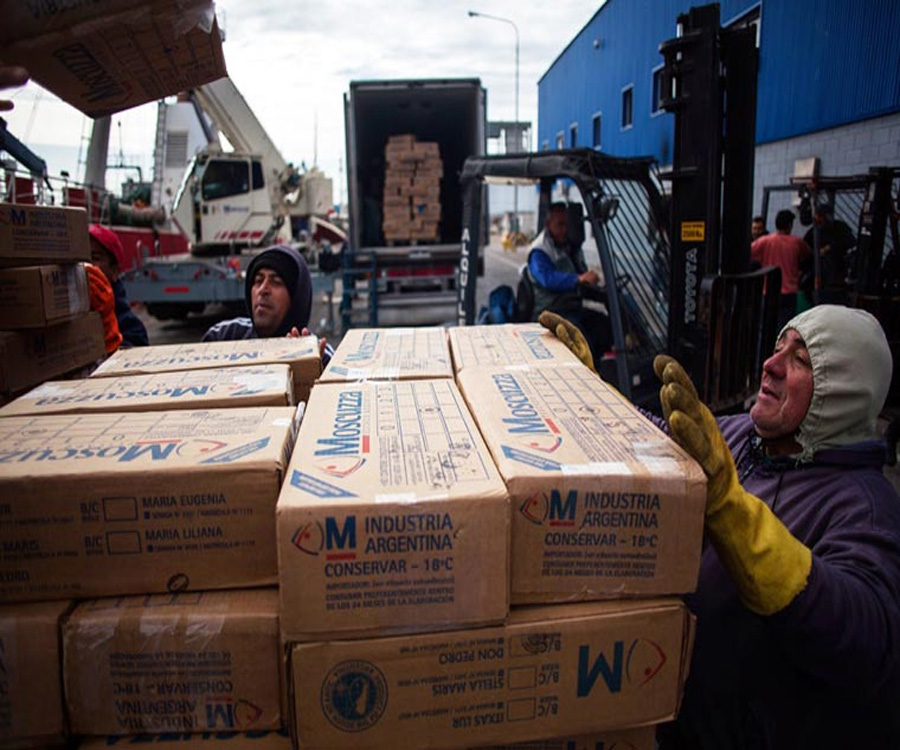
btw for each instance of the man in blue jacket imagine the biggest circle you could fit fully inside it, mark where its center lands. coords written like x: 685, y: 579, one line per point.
x: 559, y: 277
x: 798, y: 599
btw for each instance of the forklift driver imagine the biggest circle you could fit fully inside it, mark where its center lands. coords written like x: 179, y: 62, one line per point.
x: 278, y: 295
x: 798, y: 597
x: 561, y: 280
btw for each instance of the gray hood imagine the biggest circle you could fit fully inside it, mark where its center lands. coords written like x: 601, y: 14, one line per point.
x: 852, y: 368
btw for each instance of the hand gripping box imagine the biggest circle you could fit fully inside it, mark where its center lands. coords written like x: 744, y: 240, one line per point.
x: 225, y: 387
x: 31, y: 235
x: 509, y: 344
x: 37, y: 296
x: 301, y: 354
x: 570, y: 669
x: 189, y: 662
x: 390, y: 354
x: 604, y: 504
x: 31, y: 696
x: 393, y: 517
x: 107, y: 504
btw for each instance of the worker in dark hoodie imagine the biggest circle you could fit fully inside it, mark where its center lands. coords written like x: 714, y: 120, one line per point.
x: 278, y: 294
x: 798, y: 598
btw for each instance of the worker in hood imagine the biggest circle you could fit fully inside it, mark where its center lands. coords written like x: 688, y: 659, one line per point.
x: 108, y: 255
x: 798, y: 598
x: 278, y: 295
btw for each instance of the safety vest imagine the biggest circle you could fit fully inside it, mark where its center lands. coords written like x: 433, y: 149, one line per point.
x: 558, y: 302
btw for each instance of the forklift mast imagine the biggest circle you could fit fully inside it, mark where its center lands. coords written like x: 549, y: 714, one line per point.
x: 709, y: 84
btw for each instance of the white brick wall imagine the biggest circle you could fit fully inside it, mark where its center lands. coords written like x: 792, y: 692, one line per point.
x: 848, y: 150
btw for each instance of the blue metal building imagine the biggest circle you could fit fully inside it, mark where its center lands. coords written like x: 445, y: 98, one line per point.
x: 828, y: 87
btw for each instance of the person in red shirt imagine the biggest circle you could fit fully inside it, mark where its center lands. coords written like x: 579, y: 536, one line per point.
x: 786, y: 251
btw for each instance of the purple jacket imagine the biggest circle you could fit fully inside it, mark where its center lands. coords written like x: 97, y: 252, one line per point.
x: 825, y: 671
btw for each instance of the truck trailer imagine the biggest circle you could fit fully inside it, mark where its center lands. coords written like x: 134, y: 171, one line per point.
x: 387, y: 124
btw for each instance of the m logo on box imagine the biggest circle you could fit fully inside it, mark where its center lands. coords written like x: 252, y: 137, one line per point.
x: 223, y: 714
x: 644, y: 661
x: 557, y: 511
x: 312, y: 538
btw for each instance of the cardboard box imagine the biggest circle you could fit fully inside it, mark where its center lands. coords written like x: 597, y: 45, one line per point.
x: 604, y: 503
x: 225, y: 387
x: 550, y: 671
x: 31, y: 698
x: 38, y: 296
x: 390, y: 354
x: 109, y: 55
x: 640, y: 738
x: 301, y: 354
x: 129, y: 503
x: 261, y: 740
x: 393, y: 518
x: 511, y: 344
x: 42, y: 234
x: 207, y: 661
x: 32, y: 356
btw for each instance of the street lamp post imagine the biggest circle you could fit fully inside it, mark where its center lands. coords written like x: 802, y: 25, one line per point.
x: 518, y: 132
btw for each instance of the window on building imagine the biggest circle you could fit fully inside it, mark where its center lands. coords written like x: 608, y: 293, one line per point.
x: 573, y: 135
x: 545, y: 146
x: 560, y: 140
x: 597, y: 131
x: 627, y: 107
x: 656, y: 91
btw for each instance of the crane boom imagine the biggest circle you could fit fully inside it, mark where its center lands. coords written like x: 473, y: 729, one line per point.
x: 231, y: 114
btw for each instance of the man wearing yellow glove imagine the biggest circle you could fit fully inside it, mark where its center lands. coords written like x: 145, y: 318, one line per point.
x: 798, y: 599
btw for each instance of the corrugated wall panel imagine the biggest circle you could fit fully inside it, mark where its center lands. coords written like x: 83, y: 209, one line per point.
x: 825, y: 63
x: 588, y: 77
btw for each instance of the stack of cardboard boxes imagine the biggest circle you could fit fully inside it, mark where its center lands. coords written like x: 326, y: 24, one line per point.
x: 138, y: 528
x: 412, y: 190
x: 46, y: 327
x: 400, y: 552
x: 476, y: 544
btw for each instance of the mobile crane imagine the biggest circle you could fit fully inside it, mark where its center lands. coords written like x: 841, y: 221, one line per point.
x: 230, y: 204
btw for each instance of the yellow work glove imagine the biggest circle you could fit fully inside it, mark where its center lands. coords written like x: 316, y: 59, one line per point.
x: 570, y: 335
x: 767, y: 564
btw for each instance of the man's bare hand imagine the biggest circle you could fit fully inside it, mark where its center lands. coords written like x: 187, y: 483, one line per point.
x: 589, y: 277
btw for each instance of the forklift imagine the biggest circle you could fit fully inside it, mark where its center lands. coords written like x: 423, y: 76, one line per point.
x: 676, y: 268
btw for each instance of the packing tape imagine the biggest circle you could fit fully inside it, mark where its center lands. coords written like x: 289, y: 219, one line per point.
x: 596, y: 468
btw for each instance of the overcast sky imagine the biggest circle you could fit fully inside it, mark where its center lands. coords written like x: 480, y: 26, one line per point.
x: 293, y: 61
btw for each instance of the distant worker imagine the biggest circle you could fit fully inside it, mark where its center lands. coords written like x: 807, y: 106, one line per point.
x: 788, y: 252
x: 108, y: 255
x: 278, y: 295
x: 758, y: 228
x: 835, y: 240
x: 561, y: 280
